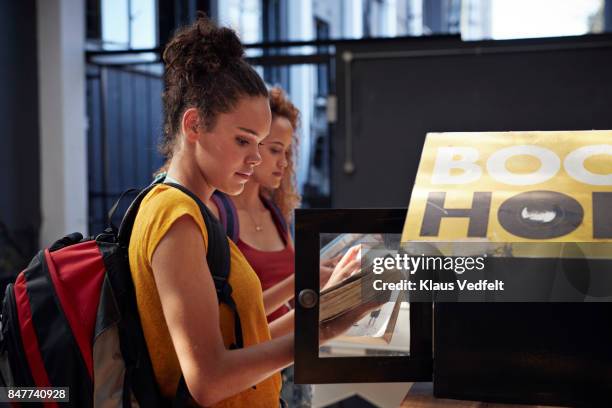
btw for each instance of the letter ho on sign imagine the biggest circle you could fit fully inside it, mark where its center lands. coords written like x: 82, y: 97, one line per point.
x: 505, y: 185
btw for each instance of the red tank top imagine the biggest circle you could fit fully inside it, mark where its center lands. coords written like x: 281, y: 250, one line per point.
x: 270, y: 266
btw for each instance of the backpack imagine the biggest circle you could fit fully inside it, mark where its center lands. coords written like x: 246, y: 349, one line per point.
x: 71, y: 319
x: 229, y: 217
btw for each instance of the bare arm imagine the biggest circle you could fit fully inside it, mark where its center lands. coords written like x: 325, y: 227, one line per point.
x: 283, y: 291
x: 187, y: 292
x: 283, y: 325
x: 279, y: 294
x: 346, y: 266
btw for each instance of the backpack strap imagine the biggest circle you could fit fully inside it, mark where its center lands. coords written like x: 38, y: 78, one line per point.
x: 127, y: 223
x: 277, y: 217
x: 139, y: 377
x: 218, y: 258
x: 227, y: 214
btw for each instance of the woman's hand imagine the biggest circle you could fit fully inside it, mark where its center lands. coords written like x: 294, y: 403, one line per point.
x: 349, y: 264
x: 327, y: 268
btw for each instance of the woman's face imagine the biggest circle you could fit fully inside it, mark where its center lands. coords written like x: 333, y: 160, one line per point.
x: 227, y: 154
x: 274, y: 153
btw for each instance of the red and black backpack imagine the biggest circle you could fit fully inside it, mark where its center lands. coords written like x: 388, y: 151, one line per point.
x: 71, y: 320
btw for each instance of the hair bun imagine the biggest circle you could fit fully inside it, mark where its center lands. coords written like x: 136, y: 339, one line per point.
x: 225, y: 43
x: 204, y: 69
x: 220, y: 46
x: 203, y: 47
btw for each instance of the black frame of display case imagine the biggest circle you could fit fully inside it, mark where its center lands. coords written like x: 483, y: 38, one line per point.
x: 309, y: 367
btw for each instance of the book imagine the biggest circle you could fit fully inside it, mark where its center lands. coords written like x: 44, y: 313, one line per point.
x: 378, y: 326
x: 355, y: 291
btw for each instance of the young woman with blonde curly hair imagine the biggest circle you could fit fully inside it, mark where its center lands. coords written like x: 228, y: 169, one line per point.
x: 262, y: 212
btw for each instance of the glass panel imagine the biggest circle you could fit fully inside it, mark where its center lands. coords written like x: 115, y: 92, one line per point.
x: 543, y: 18
x: 364, y: 322
x: 244, y: 16
x: 473, y: 19
x: 115, y: 24
x: 129, y: 24
x: 143, y: 24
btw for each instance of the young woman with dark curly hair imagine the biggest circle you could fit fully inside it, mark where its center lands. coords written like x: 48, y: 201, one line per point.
x: 217, y: 112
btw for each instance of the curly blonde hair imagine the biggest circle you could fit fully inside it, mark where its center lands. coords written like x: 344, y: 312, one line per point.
x: 286, y: 196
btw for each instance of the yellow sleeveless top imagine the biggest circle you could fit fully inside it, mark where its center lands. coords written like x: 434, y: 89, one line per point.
x: 158, y: 211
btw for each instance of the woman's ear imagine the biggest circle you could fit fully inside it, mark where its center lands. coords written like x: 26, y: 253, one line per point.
x: 191, y: 124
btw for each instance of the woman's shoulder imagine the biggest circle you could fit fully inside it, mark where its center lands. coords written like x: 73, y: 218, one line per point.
x: 165, y: 199
x: 163, y: 205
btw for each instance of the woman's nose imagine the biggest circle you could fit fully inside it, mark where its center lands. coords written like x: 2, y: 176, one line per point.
x: 254, y: 159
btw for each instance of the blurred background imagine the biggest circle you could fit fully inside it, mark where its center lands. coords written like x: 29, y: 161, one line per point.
x: 80, y: 107
x: 81, y: 80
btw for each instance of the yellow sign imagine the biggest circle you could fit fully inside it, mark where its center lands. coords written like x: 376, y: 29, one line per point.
x: 513, y: 187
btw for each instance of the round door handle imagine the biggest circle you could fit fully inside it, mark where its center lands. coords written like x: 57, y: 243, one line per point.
x: 308, y: 298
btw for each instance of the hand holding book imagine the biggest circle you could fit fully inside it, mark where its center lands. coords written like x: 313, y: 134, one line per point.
x: 349, y: 264
x: 326, y: 269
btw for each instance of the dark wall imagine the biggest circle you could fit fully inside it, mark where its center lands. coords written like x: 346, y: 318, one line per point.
x: 19, y: 154
x: 124, y: 110
x: 442, y: 85
x: 530, y: 353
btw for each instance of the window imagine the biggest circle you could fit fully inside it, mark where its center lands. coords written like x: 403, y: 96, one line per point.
x: 244, y: 16
x: 128, y: 24
x: 545, y: 18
